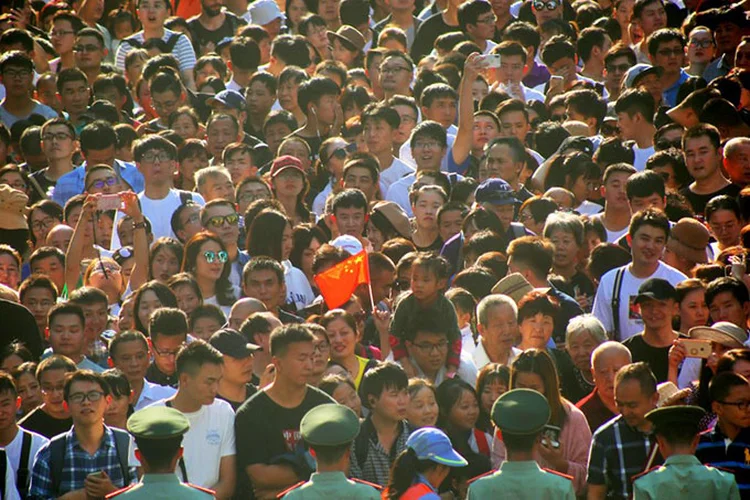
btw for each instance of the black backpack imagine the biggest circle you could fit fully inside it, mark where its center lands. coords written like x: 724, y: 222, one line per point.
x: 22, y: 476
x: 58, y: 445
x: 171, y: 42
x: 3, y: 471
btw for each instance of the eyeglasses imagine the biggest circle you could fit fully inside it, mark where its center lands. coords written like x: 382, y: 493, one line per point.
x: 43, y: 223
x: 702, y: 44
x: 211, y: 256
x: 19, y: 73
x: 392, y: 69
x: 154, y: 157
x: 219, y: 220
x: 86, y: 48
x: 741, y: 405
x: 321, y: 347
x: 340, y: 153
x: 408, y: 119
x: 59, y: 137
x: 619, y: 68
x: 80, y: 397
x: 549, y: 5
x: 610, y: 129
x: 165, y: 353
x: 61, y: 33
x: 670, y: 52
x: 488, y: 20
x: 429, y: 348
x: 100, y: 183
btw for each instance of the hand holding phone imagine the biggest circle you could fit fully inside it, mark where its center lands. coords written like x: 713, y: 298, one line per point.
x: 108, y: 202
x: 696, y: 348
x: 487, y: 61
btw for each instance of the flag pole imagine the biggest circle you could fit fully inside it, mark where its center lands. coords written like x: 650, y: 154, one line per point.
x: 369, y: 280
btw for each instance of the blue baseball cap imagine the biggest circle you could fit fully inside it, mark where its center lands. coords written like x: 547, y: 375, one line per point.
x: 229, y: 98
x: 432, y: 444
x: 495, y: 191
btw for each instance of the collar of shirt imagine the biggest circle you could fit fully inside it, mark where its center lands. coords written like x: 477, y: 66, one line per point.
x: 682, y: 460
x: 327, y: 477
x: 516, y: 467
x: 107, y: 441
x: 170, y: 478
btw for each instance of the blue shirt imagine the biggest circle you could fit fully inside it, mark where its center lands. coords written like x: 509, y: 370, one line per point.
x: 77, y: 464
x: 73, y: 182
x: 669, y: 95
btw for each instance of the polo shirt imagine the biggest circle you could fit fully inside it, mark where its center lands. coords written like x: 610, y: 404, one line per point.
x: 714, y: 450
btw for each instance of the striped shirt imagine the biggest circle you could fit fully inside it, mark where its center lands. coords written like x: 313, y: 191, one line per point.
x: 183, y: 51
x: 618, y: 452
x: 77, y: 464
x: 713, y: 450
x: 369, y: 460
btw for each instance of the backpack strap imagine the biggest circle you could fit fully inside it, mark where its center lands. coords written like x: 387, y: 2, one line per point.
x: 22, y: 476
x: 134, y: 42
x: 57, y: 447
x: 616, y: 290
x: 122, y: 446
x: 172, y: 41
x: 181, y: 462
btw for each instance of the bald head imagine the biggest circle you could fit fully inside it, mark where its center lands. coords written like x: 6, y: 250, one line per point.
x: 606, y: 361
x: 242, y: 309
x: 59, y: 237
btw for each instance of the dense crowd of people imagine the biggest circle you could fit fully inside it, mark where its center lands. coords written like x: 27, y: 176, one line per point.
x: 546, y: 204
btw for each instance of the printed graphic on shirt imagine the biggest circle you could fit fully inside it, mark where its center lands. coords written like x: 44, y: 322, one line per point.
x: 291, y: 438
x: 634, y: 310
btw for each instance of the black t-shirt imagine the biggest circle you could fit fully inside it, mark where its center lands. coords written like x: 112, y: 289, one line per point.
x: 427, y: 33
x: 205, y: 39
x: 699, y: 201
x: 265, y: 431
x: 657, y: 358
x: 42, y: 423
x: 43, y: 182
x: 156, y: 376
x: 250, y: 391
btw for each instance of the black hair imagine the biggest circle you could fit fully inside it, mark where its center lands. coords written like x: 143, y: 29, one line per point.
x: 313, y: 89
x: 634, y: 101
x: 282, y: 337
x: 291, y: 49
x: 97, y: 135
x: 385, y: 375
x: 84, y: 376
x: 194, y: 355
x: 639, y: 372
x: 649, y: 217
x: 727, y: 284
x: 588, y: 103
x: 644, y: 184
x: 558, y: 47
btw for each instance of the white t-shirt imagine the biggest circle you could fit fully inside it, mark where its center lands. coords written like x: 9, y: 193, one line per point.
x: 152, y: 393
x: 399, y: 192
x: 159, y: 214
x: 481, y: 359
x: 210, y: 438
x: 215, y: 302
x: 405, y: 154
x: 13, y: 450
x: 298, y: 289
x: 589, y: 208
x: 641, y: 156
x: 394, y: 172
x: 467, y: 341
x: 11, y: 493
x: 630, y: 316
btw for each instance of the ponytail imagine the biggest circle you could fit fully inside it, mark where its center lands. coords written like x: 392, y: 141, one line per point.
x: 404, y: 470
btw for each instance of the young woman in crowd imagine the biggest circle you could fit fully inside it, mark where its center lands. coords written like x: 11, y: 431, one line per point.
x: 207, y: 260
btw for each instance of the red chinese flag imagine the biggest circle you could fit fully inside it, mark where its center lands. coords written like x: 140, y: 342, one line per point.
x: 338, y: 283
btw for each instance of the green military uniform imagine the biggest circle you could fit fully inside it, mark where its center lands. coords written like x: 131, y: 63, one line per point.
x: 160, y: 423
x: 521, y: 412
x: 683, y: 475
x: 330, y: 425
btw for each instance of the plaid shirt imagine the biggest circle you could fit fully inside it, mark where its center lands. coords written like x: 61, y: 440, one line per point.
x: 618, y: 452
x: 376, y: 466
x: 77, y: 464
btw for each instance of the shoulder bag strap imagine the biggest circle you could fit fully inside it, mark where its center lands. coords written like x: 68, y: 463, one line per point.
x: 22, y: 476
x: 181, y: 462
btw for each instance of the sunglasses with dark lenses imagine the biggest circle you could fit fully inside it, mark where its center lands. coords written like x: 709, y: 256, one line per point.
x: 100, y: 183
x: 219, y: 220
x: 663, y: 144
x: 340, y: 153
x: 609, y: 129
x: 549, y: 4
x: 211, y: 256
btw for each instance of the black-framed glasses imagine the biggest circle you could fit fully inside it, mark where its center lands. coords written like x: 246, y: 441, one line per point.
x: 100, y: 183
x: 212, y: 256
x: 166, y: 354
x: 741, y: 405
x: 219, y: 220
x: 429, y: 348
x: 321, y: 347
x: 549, y: 4
x: 80, y: 397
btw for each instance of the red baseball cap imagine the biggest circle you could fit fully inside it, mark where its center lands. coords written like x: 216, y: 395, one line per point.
x: 285, y: 162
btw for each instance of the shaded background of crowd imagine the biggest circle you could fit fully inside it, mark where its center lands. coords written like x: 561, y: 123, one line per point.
x: 546, y: 192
